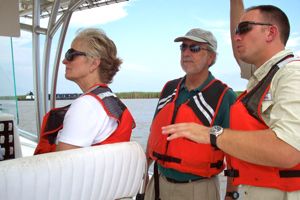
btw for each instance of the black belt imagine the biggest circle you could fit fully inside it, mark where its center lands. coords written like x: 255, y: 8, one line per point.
x: 189, y: 181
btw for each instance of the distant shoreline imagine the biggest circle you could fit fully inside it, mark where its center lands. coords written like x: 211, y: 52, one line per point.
x: 120, y: 95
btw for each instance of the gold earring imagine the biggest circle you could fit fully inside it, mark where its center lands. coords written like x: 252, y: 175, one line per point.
x: 91, y: 70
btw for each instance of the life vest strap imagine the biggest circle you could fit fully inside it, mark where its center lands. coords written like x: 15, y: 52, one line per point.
x: 282, y: 173
x: 289, y: 173
x: 252, y: 100
x: 217, y: 165
x: 156, y: 181
x: 166, y: 158
x: 232, y: 173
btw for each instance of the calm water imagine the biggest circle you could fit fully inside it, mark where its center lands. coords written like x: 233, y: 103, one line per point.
x: 141, y: 109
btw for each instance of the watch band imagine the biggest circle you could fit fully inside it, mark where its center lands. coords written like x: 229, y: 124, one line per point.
x: 213, y: 140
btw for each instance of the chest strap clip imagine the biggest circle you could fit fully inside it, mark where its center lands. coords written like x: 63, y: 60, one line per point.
x: 217, y: 165
x: 232, y: 173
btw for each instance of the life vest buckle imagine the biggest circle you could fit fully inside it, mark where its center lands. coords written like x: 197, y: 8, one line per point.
x: 217, y: 165
x: 166, y: 158
x: 289, y: 173
x: 231, y: 173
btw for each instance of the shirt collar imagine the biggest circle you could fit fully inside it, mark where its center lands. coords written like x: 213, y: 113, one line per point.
x: 198, y: 89
x: 262, y: 71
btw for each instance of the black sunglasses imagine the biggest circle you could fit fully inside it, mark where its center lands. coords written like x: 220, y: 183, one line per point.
x: 244, y: 27
x: 193, y: 48
x: 71, y: 53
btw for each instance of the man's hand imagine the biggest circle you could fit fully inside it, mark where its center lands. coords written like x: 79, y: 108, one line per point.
x: 193, y: 131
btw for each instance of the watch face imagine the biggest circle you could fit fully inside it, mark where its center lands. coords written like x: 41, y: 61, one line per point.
x: 217, y: 128
x: 235, y: 195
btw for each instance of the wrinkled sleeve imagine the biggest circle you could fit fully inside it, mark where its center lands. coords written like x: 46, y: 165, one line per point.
x: 285, y: 114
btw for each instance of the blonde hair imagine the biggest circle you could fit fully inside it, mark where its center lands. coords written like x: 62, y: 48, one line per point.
x: 96, y: 44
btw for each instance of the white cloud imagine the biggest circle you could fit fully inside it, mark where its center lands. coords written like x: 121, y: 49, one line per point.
x: 134, y: 67
x: 217, y: 23
x: 297, y: 53
x: 293, y: 42
x: 89, y: 17
x: 99, y: 15
x: 25, y: 38
x: 225, y: 35
x: 18, y: 51
x: 5, y: 44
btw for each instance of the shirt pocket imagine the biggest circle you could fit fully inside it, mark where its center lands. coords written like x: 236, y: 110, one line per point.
x: 266, y: 106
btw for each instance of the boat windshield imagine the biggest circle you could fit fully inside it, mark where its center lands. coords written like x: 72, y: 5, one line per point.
x: 8, y: 98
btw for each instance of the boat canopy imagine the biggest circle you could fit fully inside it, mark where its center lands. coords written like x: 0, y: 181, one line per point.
x: 59, y: 13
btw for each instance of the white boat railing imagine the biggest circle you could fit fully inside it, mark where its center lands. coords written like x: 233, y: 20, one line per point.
x: 59, y: 13
x: 28, y: 135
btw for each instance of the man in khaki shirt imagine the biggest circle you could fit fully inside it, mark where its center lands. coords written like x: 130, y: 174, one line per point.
x: 263, y: 142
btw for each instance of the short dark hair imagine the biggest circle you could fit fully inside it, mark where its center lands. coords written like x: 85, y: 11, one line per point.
x: 276, y: 16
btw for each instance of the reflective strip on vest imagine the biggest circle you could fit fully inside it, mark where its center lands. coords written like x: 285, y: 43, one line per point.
x: 166, y: 100
x: 205, y: 113
x: 106, y: 94
x: 284, y: 62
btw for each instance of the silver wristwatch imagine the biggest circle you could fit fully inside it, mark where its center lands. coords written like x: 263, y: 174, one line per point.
x: 214, y: 132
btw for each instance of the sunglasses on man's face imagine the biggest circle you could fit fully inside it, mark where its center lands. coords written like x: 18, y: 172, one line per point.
x: 71, y: 53
x: 244, y: 27
x: 193, y: 48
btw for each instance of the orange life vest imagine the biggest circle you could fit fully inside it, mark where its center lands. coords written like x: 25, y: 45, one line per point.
x: 245, y: 115
x: 53, y: 120
x: 183, y: 154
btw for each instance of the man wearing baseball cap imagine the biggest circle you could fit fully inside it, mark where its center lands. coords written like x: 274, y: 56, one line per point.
x: 184, y: 169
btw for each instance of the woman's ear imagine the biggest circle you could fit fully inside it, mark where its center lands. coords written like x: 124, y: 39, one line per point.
x: 95, y: 63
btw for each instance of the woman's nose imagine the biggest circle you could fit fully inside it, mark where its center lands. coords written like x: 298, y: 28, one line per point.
x: 65, y: 61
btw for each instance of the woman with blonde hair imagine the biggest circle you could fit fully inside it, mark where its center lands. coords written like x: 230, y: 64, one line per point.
x: 98, y: 116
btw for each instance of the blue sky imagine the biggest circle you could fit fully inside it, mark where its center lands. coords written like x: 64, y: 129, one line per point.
x: 144, y: 33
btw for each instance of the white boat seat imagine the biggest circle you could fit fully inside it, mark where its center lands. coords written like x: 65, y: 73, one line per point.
x: 112, y: 171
